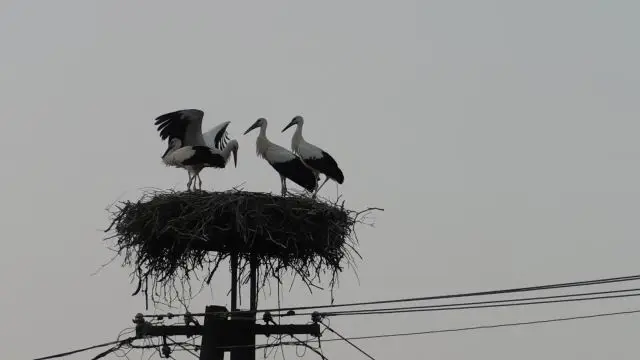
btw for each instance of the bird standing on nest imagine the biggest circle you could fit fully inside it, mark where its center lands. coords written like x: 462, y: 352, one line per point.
x: 314, y: 157
x: 286, y: 163
x: 186, y: 126
x: 195, y: 158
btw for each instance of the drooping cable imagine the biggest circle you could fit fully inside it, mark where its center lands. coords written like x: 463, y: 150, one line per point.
x: 116, y: 342
x: 348, y: 341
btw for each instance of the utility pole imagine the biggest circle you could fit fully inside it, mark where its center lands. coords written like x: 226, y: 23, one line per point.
x: 234, y: 281
x: 247, y: 338
x: 221, y: 334
x: 211, y: 334
x: 222, y: 331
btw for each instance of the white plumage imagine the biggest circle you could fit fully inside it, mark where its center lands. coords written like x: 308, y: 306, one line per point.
x: 199, y: 156
x: 286, y: 163
x: 177, y: 157
x: 217, y: 137
x: 186, y: 125
x: 314, y: 157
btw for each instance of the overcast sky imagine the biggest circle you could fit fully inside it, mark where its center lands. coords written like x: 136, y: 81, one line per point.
x: 500, y: 137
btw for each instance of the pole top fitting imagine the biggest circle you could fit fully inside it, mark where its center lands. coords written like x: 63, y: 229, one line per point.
x: 267, y: 317
x: 138, y: 319
x: 316, y: 317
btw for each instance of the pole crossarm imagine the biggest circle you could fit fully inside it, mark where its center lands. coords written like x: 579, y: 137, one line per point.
x: 229, y: 326
x: 223, y: 332
x: 168, y: 330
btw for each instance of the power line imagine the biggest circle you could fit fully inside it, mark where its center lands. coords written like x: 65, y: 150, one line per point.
x: 491, y: 326
x: 437, y: 297
x: 495, y: 303
x: 108, y: 351
x: 304, y: 343
x: 348, y: 341
x: 461, y: 329
x: 468, y: 294
x: 476, y: 305
x: 118, y: 343
x: 183, y: 347
x: 401, y: 308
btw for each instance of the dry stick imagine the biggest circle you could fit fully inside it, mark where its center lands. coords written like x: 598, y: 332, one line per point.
x: 168, y: 235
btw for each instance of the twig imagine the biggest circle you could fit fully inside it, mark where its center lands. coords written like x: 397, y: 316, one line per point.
x: 169, y: 236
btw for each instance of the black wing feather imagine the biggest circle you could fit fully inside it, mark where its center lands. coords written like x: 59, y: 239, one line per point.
x: 328, y: 166
x: 173, y: 124
x: 221, y: 138
x: 296, y: 171
x: 203, y: 155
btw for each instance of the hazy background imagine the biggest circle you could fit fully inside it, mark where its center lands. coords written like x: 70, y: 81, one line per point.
x: 499, y: 136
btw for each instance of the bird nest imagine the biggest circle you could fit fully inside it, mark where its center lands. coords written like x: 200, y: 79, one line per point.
x: 169, y: 237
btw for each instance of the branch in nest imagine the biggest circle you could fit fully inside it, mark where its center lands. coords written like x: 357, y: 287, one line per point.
x: 166, y: 235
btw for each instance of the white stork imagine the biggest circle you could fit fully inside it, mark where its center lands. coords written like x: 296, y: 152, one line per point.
x: 197, y: 157
x: 286, y: 163
x: 314, y: 157
x: 186, y: 126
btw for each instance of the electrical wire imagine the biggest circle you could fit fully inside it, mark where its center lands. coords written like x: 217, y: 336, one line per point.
x: 119, y: 343
x: 183, y: 347
x: 488, y: 302
x: 107, y: 352
x: 468, y: 294
x: 116, y: 342
x: 490, y: 326
x: 348, y: 341
x: 438, y: 297
x: 477, y: 305
x: 304, y: 343
x: 461, y: 329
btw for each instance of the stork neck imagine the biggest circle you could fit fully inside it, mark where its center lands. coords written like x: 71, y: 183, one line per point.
x: 172, y: 148
x: 297, y: 138
x: 262, y: 143
x: 226, y: 152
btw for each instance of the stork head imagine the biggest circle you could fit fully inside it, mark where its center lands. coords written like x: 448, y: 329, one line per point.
x: 297, y: 120
x: 174, y: 144
x: 233, y: 145
x: 262, y: 122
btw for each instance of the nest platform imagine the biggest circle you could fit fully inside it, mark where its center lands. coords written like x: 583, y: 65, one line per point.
x: 169, y: 236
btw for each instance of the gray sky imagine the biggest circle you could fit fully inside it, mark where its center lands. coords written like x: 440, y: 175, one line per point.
x: 499, y: 136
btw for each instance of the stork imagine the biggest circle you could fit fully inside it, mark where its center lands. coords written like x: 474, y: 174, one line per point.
x: 314, y: 157
x: 186, y: 126
x: 286, y: 163
x: 197, y: 157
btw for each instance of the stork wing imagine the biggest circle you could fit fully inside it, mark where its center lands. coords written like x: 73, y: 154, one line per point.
x: 290, y: 166
x: 327, y: 165
x: 185, y: 125
x: 277, y: 153
x: 217, y: 137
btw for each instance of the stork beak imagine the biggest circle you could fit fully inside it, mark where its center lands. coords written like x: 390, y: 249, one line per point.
x: 255, y: 125
x: 235, y: 157
x: 288, y: 126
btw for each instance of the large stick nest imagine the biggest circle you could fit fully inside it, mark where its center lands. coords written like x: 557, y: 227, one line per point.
x: 167, y: 236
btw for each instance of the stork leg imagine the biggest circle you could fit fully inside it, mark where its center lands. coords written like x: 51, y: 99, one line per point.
x: 192, y: 178
x: 199, y: 181
x: 283, y: 184
x: 189, y: 182
x: 320, y: 187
